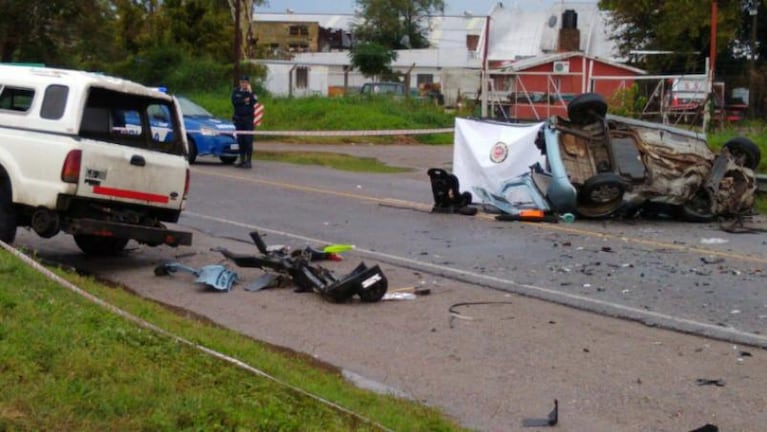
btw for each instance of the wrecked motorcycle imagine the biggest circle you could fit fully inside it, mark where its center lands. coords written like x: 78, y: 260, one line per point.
x: 368, y: 283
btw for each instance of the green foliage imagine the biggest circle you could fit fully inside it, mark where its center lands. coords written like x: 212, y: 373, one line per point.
x: 337, y: 161
x: 627, y: 102
x: 351, y: 113
x: 67, y: 364
x: 372, y: 59
x: 396, y: 24
x: 756, y: 131
x: 180, y: 43
x: 54, y: 32
x: 682, y: 26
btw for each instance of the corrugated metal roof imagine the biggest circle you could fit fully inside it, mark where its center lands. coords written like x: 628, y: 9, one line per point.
x: 516, y: 34
x: 521, y: 65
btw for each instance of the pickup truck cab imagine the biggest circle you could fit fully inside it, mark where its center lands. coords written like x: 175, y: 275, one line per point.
x: 69, y: 161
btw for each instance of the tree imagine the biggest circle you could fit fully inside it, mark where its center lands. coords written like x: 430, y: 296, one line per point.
x: 396, y: 24
x: 372, y: 59
x: 681, y: 26
x: 55, y: 32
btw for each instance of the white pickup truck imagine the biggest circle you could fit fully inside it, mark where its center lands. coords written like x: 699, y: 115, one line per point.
x: 69, y: 161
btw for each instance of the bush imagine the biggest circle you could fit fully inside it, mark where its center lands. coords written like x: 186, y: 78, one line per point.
x: 169, y: 67
x: 627, y: 102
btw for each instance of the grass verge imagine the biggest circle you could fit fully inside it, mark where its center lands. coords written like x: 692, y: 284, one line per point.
x: 68, y: 364
x: 332, y: 160
x: 342, y: 114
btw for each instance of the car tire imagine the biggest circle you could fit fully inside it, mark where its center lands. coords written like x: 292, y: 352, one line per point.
x: 99, y: 245
x: 744, y: 149
x: 601, y: 195
x: 587, y: 108
x: 8, y: 217
x: 698, y: 209
x: 228, y: 160
x: 192, y: 157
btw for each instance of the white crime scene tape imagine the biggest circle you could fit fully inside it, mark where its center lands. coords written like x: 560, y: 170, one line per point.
x: 339, y: 133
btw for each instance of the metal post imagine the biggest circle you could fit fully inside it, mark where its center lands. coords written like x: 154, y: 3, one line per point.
x: 483, y: 74
x: 753, y: 8
x: 711, y: 70
x: 237, y: 44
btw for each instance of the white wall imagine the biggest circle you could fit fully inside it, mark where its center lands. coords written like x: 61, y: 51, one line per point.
x: 452, y: 80
x: 278, y: 81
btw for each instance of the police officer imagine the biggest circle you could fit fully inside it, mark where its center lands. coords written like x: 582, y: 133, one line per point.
x: 243, y: 101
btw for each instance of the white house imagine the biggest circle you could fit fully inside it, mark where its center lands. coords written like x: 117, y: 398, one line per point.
x: 458, y: 48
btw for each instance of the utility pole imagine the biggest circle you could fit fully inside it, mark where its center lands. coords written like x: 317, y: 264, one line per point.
x: 237, y: 44
x: 483, y: 84
x: 753, y: 8
x: 709, y: 108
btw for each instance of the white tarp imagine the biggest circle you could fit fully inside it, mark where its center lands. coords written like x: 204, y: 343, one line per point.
x: 486, y: 153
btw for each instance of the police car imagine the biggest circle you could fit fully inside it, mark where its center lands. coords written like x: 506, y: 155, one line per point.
x: 206, y: 135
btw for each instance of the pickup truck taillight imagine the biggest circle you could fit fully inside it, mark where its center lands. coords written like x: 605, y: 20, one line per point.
x: 70, y: 171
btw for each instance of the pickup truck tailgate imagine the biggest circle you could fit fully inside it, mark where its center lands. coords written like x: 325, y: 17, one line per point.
x: 133, y: 175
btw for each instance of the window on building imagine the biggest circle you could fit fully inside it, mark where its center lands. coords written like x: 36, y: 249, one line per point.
x: 472, y: 41
x: 424, y: 79
x: 299, y: 30
x: 298, y: 47
x: 302, y: 77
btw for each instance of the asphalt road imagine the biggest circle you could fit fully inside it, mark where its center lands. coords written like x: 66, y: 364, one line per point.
x: 510, y: 355
x: 691, y: 277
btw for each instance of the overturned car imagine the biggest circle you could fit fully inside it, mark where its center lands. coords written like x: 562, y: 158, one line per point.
x: 598, y: 165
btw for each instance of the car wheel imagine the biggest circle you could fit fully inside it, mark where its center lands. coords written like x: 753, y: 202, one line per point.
x: 587, y: 108
x: 698, y: 209
x: 7, y: 212
x: 601, y: 195
x: 100, y: 245
x: 745, y: 151
x: 228, y: 160
x: 192, y: 149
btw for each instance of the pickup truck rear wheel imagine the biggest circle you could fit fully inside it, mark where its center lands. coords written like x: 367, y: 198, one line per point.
x: 100, y: 245
x: 7, y: 212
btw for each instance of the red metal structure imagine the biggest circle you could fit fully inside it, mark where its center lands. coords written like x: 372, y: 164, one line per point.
x: 535, y: 88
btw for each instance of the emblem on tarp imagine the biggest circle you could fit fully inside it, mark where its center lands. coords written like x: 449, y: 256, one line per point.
x: 499, y: 152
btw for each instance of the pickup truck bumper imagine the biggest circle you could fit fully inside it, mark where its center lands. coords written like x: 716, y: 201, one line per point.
x: 150, y: 235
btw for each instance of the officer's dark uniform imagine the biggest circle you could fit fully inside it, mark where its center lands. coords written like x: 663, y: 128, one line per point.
x: 243, y: 102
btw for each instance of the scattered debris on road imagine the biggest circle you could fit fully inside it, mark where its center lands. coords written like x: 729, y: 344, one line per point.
x: 454, y: 314
x: 551, y: 420
x: 447, y: 195
x: 714, y: 382
x: 708, y: 427
x: 214, y: 276
x: 368, y: 283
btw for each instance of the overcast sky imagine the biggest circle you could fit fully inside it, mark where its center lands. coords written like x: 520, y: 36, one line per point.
x: 452, y: 7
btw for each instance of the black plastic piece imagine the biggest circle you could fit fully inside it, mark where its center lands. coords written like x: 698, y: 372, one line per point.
x: 369, y: 283
x: 448, y: 197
